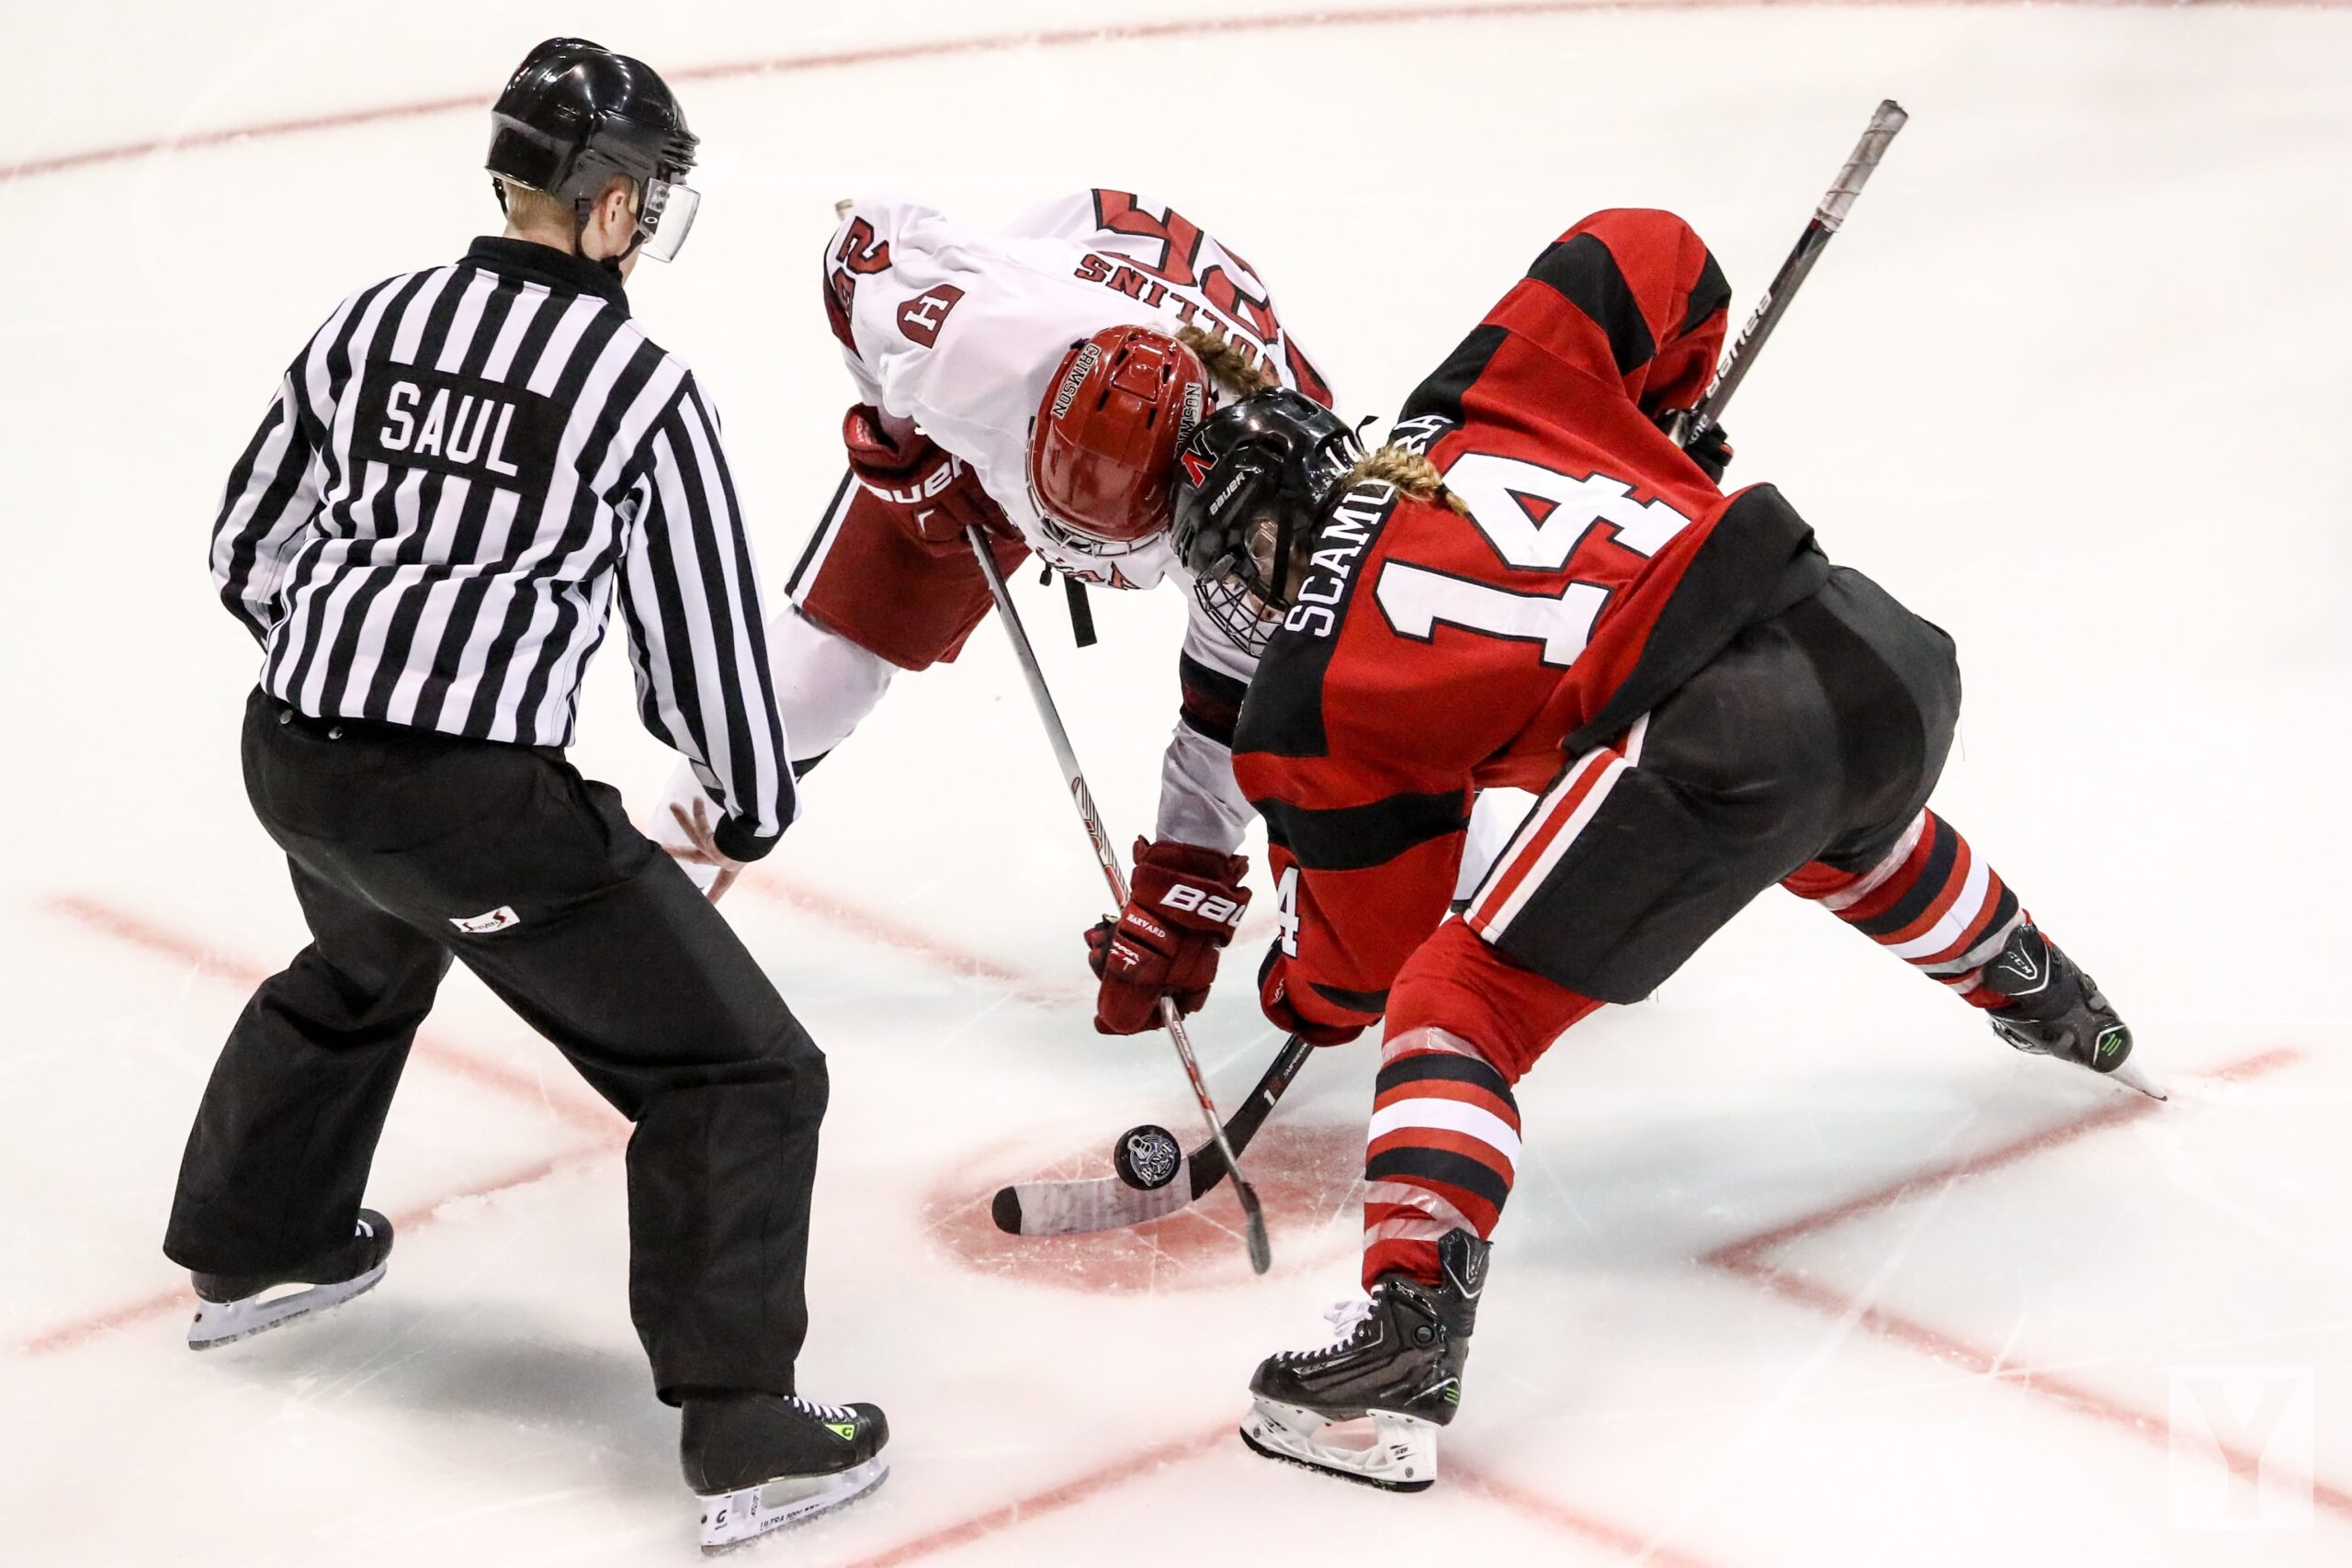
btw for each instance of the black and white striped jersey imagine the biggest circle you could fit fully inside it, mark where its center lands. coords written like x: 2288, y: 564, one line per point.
x: 427, y: 525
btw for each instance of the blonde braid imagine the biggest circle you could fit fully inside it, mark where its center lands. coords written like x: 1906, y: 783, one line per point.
x: 1232, y: 369
x: 1413, y: 475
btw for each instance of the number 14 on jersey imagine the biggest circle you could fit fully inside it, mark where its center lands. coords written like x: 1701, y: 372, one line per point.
x: 1499, y: 492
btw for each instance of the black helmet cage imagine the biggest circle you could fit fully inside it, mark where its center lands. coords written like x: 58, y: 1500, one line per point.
x: 573, y: 115
x: 1274, y: 460
x: 1242, y: 599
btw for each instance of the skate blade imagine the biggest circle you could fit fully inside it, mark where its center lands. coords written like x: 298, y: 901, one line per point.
x: 731, y: 1519
x: 2132, y: 1075
x: 225, y: 1323
x: 1396, y: 1453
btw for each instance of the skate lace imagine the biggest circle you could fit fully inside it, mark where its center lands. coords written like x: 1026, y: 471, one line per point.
x: 1346, y: 1320
x: 823, y: 1412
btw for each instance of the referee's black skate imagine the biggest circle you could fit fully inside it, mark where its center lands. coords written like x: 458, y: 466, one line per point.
x: 760, y: 1461
x: 2055, y: 1010
x: 237, y: 1306
x: 1367, y: 1406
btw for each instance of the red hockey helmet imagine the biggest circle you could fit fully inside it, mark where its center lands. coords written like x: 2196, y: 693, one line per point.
x: 1103, y: 448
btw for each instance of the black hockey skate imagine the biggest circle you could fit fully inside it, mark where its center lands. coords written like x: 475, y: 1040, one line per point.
x: 237, y: 1306
x: 1367, y: 1406
x: 760, y: 1461
x: 2055, y: 1010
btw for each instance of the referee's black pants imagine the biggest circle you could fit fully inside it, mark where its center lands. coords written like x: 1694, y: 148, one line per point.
x: 394, y: 837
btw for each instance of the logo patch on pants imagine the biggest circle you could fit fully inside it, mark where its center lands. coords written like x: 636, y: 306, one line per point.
x: 498, y: 920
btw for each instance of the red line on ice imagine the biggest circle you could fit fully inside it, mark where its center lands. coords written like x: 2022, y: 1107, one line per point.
x: 1061, y: 37
x: 1747, y: 1259
x: 2113, y: 1115
x: 886, y: 931
x: 1135, y: 1466
x: 1551, y: 1511
x: 136, y: 930
x: 1037, y: 1504
x: 2078, y: 1397
x: 2122, y: 1109
x: 416, y: 1218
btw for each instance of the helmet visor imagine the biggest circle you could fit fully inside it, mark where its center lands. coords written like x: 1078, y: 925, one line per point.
x: 667, y: 217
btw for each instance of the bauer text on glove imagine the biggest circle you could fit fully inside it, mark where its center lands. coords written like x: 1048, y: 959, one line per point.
x: 930, y: 492
x: 1181, y: 909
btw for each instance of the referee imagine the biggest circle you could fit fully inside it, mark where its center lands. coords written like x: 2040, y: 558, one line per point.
x: 457, y: 473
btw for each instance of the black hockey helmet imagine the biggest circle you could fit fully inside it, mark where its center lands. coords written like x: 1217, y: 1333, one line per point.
x: 573, y: 115
x: 1252, y: 484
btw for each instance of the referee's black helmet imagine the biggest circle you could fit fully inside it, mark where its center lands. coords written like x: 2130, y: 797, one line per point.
x: 575, y: 114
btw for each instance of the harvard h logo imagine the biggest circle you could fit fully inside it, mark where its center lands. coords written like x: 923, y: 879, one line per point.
x: 921, y: 317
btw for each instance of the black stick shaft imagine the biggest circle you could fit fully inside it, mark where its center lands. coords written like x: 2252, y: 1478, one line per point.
x: 1828, y: 218
x: 1207, y: 1164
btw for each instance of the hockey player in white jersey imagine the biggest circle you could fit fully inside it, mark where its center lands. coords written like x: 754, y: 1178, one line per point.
x: 1034, y: 383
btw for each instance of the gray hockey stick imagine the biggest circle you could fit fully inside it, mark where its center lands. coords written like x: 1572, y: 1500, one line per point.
x: 1253, y: 1216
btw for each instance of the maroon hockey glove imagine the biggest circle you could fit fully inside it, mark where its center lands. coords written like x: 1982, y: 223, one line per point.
x: 1282, y: 1009
x: 1712, y: 451
x: 928, y: 491
x: 1181, y: 907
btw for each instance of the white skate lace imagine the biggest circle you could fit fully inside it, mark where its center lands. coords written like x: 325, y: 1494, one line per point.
x: 1345, y: 1318
x: 823, y: 1412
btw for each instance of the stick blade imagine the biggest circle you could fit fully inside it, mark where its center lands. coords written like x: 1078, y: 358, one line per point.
x: 1077, y: 1208
x: 1253, y: 1222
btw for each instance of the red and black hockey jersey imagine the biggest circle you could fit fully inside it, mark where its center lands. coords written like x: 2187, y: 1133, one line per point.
x: 1431, y: 654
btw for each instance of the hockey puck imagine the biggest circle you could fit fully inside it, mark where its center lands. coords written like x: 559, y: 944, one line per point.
x: 1147, y: 1157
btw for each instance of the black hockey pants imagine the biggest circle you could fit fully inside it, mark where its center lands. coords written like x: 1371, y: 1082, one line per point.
x: 598, y: 941
x: 1815, y: 735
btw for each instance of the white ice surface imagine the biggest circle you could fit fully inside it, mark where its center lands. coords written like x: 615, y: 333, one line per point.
x: 2067, y: 384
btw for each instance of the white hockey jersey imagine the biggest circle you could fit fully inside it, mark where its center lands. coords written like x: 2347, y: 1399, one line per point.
x: 960, y: 329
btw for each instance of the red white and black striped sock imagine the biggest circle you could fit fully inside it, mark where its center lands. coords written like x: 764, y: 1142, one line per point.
x: 1444, y: 1148
x: 1929, y: 900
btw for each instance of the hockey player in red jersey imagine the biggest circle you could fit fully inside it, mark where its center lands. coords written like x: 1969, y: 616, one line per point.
x: 1533, y: 585
x: 1034, y: 383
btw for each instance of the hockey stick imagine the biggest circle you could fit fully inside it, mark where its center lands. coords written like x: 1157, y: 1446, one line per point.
x: 1253, y: 1216
x: 1690, y: 426
x: 1109, y: 1202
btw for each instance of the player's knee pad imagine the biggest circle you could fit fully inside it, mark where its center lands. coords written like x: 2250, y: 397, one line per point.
x: 1458, y: 983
